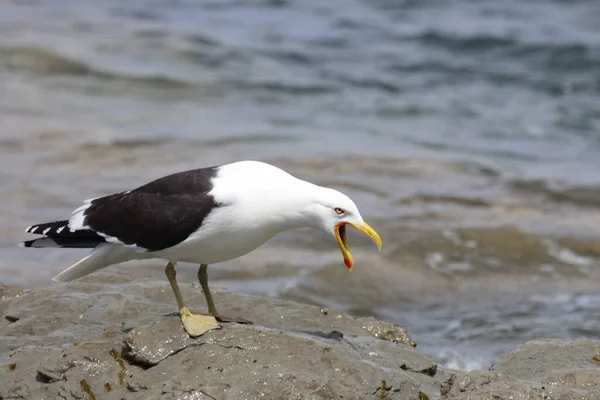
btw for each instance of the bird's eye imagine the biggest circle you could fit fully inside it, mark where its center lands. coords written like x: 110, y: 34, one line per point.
x: 339, y: 211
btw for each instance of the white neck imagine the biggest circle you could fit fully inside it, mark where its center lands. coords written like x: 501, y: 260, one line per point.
x: 265, y: 203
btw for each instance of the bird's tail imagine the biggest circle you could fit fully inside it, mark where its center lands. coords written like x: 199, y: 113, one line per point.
x: 103, y: 255
x: 58, y: 234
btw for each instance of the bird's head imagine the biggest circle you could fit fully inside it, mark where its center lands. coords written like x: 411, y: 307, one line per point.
x: 335, y: 211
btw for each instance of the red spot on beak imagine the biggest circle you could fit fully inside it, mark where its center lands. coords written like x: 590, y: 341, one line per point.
x: 348, y: 263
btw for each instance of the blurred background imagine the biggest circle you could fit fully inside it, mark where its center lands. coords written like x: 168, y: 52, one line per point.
x: 468, y: 133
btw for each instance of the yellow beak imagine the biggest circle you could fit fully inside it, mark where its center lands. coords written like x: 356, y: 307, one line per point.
x: 342, y: 239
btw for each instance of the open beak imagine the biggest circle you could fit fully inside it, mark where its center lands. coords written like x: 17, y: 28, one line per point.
x: 342, y: 239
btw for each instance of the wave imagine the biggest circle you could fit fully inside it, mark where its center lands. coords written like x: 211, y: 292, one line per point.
x: 224, y: 140
x: 549, y: 56
x: 376, y: 83
x: 551, y: 68
x: 580, y: 195
x: 424, y: 198
x: 308, y: 89
x: 445, y: 73
x: 47, y: 62
x: 463, y: 44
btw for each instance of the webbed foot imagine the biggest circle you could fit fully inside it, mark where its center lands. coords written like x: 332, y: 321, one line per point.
x: 197, y: 324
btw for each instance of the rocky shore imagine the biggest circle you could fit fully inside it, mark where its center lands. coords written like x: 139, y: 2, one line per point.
x: 114, y: 336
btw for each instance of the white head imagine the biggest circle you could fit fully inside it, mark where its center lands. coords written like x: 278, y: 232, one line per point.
x: 331, y: 211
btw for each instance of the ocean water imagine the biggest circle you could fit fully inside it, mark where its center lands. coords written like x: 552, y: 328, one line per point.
x: 468, y: 133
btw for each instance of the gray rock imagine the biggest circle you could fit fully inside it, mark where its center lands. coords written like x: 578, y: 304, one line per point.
x: 548, y: 369
x: 110, y: 337
x: 114, y: 336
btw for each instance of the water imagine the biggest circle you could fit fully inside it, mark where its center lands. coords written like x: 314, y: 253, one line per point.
x: 468, y: 134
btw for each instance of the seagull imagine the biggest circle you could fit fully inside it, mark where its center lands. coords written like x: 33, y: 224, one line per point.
x: 202, y: 216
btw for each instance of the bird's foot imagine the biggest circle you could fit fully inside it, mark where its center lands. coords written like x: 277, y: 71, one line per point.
x: 236, y: 320
x: 197, y: 324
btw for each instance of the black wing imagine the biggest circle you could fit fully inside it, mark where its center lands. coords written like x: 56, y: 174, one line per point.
x: 196, y: 181
x: 157, y: 215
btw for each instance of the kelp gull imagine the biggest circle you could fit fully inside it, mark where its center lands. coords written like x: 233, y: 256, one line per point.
x: 201, y: 216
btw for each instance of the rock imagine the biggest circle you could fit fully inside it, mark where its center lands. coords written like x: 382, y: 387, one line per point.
x: 9, y: 291
x: 113, y: 336
x: 244, y: 361
x: 542, y: 369
x: 386, y: 331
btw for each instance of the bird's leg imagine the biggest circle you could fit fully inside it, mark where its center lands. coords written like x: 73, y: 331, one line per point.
x: 194, y: 324
x: 212, y: 310
x: 203, y: 278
